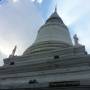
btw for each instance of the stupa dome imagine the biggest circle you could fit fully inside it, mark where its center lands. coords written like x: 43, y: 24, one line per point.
x: 51, y: 36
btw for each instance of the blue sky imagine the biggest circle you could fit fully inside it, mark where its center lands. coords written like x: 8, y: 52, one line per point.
x: 21, y: 19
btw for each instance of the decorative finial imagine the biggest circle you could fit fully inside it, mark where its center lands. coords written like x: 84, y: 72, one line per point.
x: 56, y: 8
x: 76, y: 40
x: 13, y: 52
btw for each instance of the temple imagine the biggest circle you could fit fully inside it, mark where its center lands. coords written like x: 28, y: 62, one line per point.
x: 51, y: 61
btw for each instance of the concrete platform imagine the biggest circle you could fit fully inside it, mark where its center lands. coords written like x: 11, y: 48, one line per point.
x: 55, y: 88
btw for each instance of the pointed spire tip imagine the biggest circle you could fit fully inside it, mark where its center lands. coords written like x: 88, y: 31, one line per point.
x: 56, y: 8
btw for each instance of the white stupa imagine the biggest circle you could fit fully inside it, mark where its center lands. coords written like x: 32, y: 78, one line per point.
x: 51, y: 63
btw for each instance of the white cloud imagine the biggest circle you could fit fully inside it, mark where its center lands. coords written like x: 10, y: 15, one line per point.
x: 38, y: 1
x: 33, y: 0
x: 18, y: 26
x: 15, y: 1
